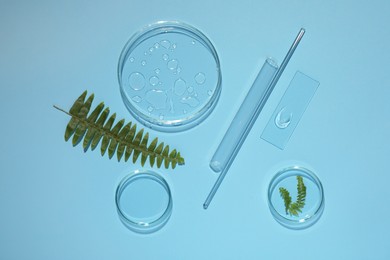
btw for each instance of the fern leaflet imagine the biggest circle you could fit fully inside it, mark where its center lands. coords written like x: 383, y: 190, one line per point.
x: 286, y: 197
x: 296, y: 207
x: 120, y: 139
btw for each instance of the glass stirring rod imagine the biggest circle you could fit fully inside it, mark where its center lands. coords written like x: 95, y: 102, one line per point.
x: 246, y: 116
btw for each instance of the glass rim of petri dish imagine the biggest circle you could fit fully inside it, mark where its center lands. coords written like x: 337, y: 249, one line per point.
x: 307, y: 220
x: 138, y: 226
x: 189, y: 120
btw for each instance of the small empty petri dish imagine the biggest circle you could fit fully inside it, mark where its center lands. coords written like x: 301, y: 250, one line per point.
x: 296, y: 197
x: 169, y: 76
x: 144, y: 201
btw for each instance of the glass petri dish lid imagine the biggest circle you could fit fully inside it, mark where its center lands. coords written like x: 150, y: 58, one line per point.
x: 169, y: 76
x: 143, y: 201
x: 296, y: 197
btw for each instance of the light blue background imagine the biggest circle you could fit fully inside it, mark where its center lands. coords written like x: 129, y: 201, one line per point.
x: 57, y: 202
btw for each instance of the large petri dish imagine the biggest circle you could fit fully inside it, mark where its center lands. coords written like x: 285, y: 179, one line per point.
x: 310, y: 211
x: 169, y: 76
x: 144, y: 201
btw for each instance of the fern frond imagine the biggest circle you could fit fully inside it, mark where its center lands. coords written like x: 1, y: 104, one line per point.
x: 124, y: 140
x: 296, y: 207
x: 286, y: 198
x: 301, y: 188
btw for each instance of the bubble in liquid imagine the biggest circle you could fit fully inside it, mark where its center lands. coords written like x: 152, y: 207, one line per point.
x: 190, y: 89
x: 165, y: 56
x: 157, y: 71
x: 210, y: 92
x: 174, y: 46
x: 283, y: 119
x: 150, y: 109
x: 153, y: 80
x: 165, y: 43
x: 200, y: 78
x: 137, y: 99
x: 143, y: 63
x: 131, y: 59
x: 193, y: 42
x: 151, y: 49
x: 136, y: 81
x: 156, y: 98
x: 161, y: 117
x: 180, y: 87
x: 156, y: 45
x: 172, y: 64
x: 178, y: 70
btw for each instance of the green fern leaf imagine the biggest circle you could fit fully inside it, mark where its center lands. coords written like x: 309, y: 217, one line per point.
x: 122, y: 144
x: 153, y: 144
x: 129, y: 138
x: 158, y: 152
x: 124, y: 140
x: 152, y: 147
x: 82, y: 125
x: 114, y: 141
x: 137, y: 141
x: 286, y: 198
x: 152, y: 159
x: 91, y: 132
x: 296, y: 207
x: 165, y: 154
x: 98, y: 129
x: 78, y: 103
x: 301, y: 192
x: 180, y: 160
x: 106, y: 138
x: 143, y: 145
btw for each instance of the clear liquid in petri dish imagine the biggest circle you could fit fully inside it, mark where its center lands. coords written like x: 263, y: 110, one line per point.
x: 144, y: 201
x: 189, y: 58
x: 188, y: 76
x: 313, y: 202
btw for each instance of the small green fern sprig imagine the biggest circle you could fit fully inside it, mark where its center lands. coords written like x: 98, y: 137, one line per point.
x: 286, y: 198
x: 120, y: 139
x: 296, y: 207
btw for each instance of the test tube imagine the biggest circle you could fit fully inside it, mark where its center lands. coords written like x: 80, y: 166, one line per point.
x: 246, y: 116
x: 241, y: 124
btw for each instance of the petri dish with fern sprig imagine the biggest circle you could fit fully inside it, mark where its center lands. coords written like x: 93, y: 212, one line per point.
x: 296, y: 197
x: 169, y: 76
x: 144, y: 201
